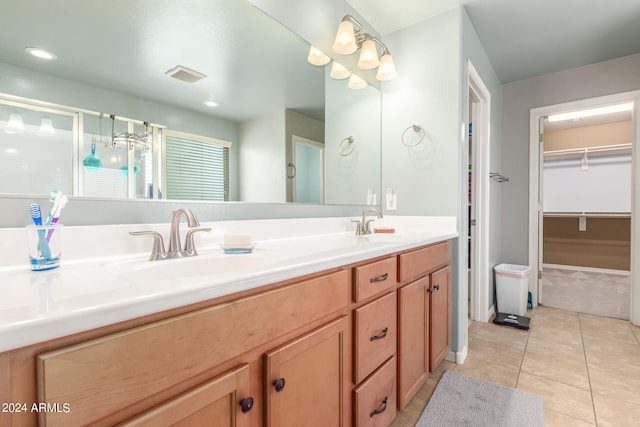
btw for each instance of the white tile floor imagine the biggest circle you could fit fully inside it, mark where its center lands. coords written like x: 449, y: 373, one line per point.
x: 587, y: 368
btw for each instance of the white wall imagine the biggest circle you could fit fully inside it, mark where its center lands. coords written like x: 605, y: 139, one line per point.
x: 426, y: 178
x: 261, y: 165
x: 473, y: 50
x: 604, y: 78
x: 353, y: 113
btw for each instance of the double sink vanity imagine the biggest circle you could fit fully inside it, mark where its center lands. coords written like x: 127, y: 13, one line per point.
x: 317, y: 326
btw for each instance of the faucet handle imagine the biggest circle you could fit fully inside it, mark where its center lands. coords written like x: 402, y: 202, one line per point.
x: 157, y: 250
x: 189, y: 245
x: 358, y: 227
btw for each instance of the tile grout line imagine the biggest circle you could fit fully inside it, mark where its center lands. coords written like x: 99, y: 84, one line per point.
x: 584, y: 349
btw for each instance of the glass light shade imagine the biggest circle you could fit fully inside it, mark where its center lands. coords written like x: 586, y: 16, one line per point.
x: 387, y: 69
x: 316, y: 57
x: 356, y: 82
x: 368, y: 56
x: 46, y: 127
x: 345, y: 42
x: 15, y: 125
x: 338, y: 71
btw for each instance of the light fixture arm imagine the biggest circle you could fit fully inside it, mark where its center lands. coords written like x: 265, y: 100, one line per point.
x: 361, y: 37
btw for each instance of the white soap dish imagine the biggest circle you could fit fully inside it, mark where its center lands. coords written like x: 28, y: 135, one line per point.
x: 238, y: 249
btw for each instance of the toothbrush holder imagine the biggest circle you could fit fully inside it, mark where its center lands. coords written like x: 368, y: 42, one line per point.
x: 44, y: 253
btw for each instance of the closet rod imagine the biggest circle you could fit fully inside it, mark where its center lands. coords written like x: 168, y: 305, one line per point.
x: 586, y: 214
x: 596, y: 149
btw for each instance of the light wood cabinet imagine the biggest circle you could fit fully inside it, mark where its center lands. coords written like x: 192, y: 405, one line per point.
x: 374, y: 401
x: 424, y: 316
x: 413, y: 339
x: 306, y: 380
x: 440, y: 317
x: 223, y: 401
x: 344, y: 347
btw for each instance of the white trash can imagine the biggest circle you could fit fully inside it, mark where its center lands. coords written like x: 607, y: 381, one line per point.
x: 512, y: 288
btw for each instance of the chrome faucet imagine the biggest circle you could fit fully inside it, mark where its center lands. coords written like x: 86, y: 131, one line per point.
x: 175, y: 249
x: 364, y: 225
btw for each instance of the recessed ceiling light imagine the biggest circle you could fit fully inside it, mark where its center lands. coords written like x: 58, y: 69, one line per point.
x: 210, y: 103
x: 40, y: 53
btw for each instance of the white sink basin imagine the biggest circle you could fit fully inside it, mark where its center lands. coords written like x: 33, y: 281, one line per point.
x: 202, y: 265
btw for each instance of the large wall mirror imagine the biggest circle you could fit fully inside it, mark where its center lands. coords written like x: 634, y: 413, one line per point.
x: 284, y: 130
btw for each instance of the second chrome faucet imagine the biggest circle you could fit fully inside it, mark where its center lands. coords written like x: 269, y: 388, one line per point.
x: 175, y: 249
x: 364, y: 225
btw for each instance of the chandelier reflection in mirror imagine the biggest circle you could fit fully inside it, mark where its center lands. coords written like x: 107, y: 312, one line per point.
x: 348, y: 40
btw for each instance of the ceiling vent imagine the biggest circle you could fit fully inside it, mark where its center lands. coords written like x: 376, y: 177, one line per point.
x: 185, y: 74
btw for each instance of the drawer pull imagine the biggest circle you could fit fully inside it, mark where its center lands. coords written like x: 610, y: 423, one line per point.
x: 437, y: 287
x: 379, y: 337
x: 379, y: 278
x: 279, y: 384
x: 246, y: 404
x: 381, y: 408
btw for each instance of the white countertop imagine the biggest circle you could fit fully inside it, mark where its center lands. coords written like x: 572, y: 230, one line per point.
x: 86, y: 293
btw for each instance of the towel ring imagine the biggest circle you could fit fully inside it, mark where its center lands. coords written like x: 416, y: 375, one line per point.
x: 418, y: 130
x: 349, y: 147
x: 291, y: 170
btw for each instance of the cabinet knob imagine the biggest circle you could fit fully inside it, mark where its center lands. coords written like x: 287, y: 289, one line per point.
x: 429, y: 290
x: 246, y: 404
x: 437, y: 287
x: 379, y: 278
x: 379, y: 337
x: 278, y: 383
x: 380, y: 408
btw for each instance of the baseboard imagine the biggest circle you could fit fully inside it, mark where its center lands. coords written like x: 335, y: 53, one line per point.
x: 587, y: 269
x: 458, y: 357
x: 492, y: 311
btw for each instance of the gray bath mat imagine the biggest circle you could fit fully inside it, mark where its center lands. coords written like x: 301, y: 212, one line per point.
x: 459, y: 400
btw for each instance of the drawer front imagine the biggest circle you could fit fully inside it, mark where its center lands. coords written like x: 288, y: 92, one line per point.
x: 375, y: 399
x: 100, y: 377
x: 374, y: 278
x: 375, y: 335
x: 422, y: 261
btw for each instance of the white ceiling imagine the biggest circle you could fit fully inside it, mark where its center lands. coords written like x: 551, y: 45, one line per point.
x: 527, y: 38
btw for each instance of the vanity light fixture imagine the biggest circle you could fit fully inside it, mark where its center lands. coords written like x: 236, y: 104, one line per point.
x: 40, y: 53
x: 15, y: 124
x: 350, y: 38
x: 356, y: 82
x: 338, y: 71
x: 576, y: 115
x: 317, y: 57
x: 46, y: 127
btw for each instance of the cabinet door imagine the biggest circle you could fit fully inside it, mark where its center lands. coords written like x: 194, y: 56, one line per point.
x: 223, y: 402
x: 440, y: 321
x: 413, y: 339
x: 306, y: 380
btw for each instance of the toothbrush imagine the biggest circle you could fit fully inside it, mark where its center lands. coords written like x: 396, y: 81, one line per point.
x: 55, y: 212
x: 43, y: 245
x: 54, y: 198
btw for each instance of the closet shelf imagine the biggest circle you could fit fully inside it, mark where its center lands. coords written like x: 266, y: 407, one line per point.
x: 587, y: 214
x: 614, y: 148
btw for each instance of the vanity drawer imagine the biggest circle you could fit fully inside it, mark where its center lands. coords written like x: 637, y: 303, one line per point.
x: 374, y: 335
x: 374, y: 401
x: 374, y: 278
x: 422, y: 261
x: 102, y: 376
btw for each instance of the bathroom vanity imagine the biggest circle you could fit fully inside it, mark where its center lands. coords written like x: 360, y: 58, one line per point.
x: 339, y: 336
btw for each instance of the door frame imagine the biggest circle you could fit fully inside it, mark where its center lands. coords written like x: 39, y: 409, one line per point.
x: 535, y: 195
x: 295, y: 139
x: 480, y: 271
